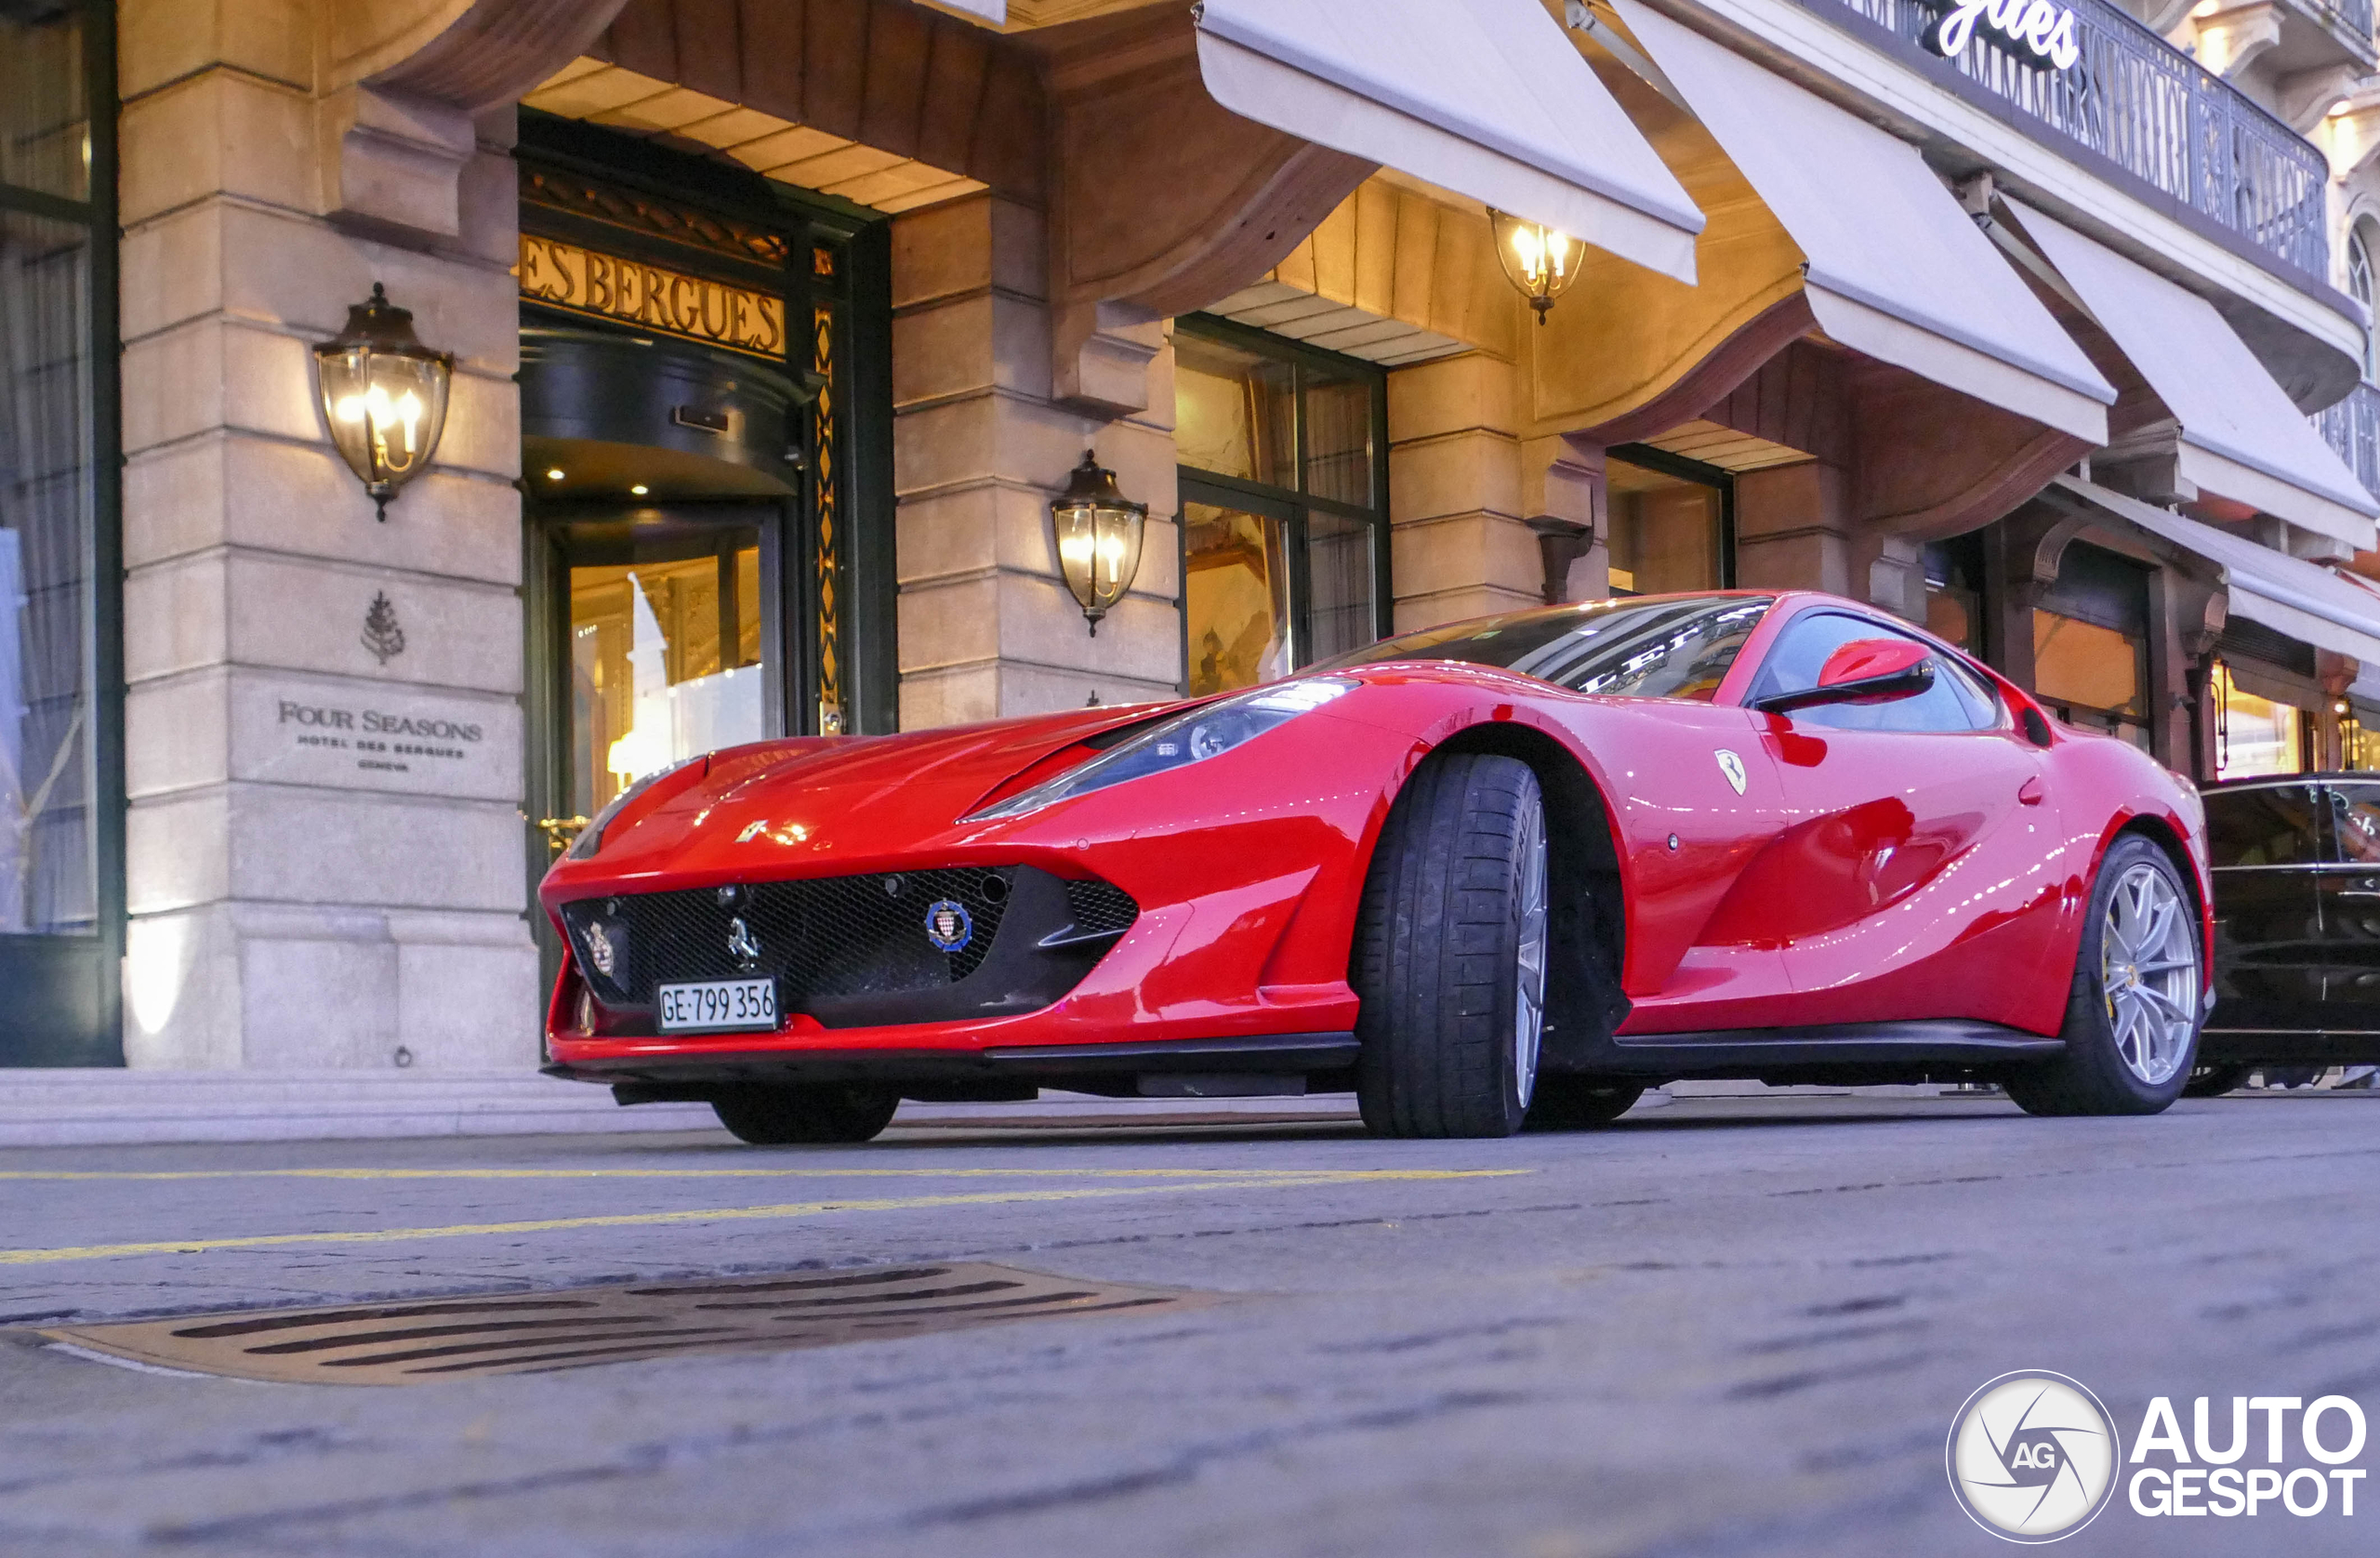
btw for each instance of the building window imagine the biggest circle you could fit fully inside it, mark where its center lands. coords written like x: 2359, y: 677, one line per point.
x: 1672, y: 522
x: 2253, y: 735
x: 2091, y: 644
x: 2358, y: 286
x: 60, y: 824
x: 2359, y: 737
x: 1284, y: 503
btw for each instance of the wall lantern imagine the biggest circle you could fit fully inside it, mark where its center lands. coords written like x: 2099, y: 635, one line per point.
x: 384, y: 394
x: 1099, y: 537
x: 1540, y: 261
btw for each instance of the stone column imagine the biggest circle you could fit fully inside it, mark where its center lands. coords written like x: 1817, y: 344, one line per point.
x: 1794, y: 529
x: 326, y: 861
x: 1461, y: 545
x: 980, y: 447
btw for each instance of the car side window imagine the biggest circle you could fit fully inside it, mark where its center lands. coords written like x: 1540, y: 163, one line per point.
x: 2355, y: 824
x: 1958, y: 701
x: 2278, y: 824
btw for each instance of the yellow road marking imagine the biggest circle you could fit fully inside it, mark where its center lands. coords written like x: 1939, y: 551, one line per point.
x: 1291, y: 1178
x: 1332, y: 1174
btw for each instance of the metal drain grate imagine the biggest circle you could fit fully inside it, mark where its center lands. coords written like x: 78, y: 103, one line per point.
x: 535, y: 1333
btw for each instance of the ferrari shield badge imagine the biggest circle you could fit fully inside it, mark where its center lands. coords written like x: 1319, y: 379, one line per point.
x: 1733, y: 767
x: 948, y: 925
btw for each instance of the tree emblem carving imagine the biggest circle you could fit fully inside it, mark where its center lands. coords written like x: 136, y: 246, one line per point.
x: 381, y: 634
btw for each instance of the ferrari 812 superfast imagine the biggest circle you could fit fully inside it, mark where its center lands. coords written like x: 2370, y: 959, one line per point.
x: 1507, y: 872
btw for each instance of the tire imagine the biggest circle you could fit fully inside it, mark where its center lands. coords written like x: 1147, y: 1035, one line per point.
x: 2129, y: 1042
x: 799, y: 1117
x: 1451, y: 953
x: 1569, y: 1101
x: 2214, y: 1081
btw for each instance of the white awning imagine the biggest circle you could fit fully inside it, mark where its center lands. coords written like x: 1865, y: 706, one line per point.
x: 2242, y: 437
x: 1485, y: 97
x: 1894, y: 267
x: 2286, y: 594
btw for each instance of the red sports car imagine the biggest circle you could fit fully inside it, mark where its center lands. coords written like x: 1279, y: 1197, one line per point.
x: 1509, y: 871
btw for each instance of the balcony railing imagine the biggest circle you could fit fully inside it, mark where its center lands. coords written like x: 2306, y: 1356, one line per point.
x: 2352, y: 427
x: 2157, y: 114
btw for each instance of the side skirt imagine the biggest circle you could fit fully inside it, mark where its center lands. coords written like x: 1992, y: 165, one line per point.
x: 1820, y: 1053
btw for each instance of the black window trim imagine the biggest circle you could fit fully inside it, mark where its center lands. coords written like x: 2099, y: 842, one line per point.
x: 1198, y: 484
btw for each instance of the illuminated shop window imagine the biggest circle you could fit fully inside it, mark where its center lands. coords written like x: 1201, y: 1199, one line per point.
x: 2253, y: 735
x: 665, y: 663
x: 2359, y: 738
x: 1284, y: 520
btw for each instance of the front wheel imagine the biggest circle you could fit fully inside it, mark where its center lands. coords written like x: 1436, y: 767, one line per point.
x: 1451, y: 953
x: 2132, y: 1018
x: 805, y: 1116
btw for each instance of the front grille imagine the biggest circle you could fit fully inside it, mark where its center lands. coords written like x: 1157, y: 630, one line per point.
x: 855, y: 950
x: 1101, y: 907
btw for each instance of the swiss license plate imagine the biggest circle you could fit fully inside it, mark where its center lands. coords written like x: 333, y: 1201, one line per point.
x: 719, y: 1006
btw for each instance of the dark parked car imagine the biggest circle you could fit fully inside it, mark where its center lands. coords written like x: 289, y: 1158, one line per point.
x: 2297, y: 926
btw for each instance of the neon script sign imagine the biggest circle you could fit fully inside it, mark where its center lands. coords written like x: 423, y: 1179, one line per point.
x: 2044, y: 31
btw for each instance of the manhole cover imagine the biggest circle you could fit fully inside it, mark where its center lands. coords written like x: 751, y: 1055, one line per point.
x: 534, y: 1333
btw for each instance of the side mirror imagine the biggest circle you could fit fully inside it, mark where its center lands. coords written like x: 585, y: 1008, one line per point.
x: 1863, y: 671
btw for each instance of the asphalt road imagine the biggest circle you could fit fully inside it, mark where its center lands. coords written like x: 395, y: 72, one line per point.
x: 1722, y: 1327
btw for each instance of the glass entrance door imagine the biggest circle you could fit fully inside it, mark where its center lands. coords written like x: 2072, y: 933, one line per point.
x: 667, y: 628
x: 660, y: 634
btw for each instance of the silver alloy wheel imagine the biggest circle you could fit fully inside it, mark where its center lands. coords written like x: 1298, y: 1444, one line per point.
x: 1528, y: 1004
x: 2148, y: 970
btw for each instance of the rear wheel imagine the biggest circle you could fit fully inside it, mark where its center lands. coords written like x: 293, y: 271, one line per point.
x: 2132, y: 1017
x: 1566, y: 1100
x: 797, y: 1116
x: 1451, y: 953
x: 2214, y: 1081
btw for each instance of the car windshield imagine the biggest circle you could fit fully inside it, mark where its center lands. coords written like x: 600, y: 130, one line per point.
x: 1664, y: 646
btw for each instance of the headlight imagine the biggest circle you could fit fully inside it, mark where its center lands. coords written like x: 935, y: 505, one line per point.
x: 591, y: 838
x: 1208, y: 731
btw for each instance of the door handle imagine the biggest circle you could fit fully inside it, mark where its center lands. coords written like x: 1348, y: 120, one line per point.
x: 2030, y: 793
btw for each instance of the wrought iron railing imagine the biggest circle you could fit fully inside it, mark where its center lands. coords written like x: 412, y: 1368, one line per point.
x: 2352, y: 427
x: 2155, y: 111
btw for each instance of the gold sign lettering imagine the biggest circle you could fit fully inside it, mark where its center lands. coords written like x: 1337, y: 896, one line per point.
x: 566, y: 276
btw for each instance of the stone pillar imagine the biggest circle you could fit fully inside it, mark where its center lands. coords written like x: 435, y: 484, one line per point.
x: 1794, y: 529
x: 1459, y: 544
x: 327, y: 863
x: 986, y: 626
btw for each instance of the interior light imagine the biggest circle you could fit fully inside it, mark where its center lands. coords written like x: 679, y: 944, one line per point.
x: 554, y: 475
x: 640, y: 489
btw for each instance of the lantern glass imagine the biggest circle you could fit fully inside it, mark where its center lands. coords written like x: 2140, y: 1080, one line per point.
x: 384, y: 396
x: 1540, y: 261
x: 1099, y: 535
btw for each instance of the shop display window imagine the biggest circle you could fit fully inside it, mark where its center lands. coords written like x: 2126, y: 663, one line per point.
x: 2253, y: 735
x: 1284, y: 522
